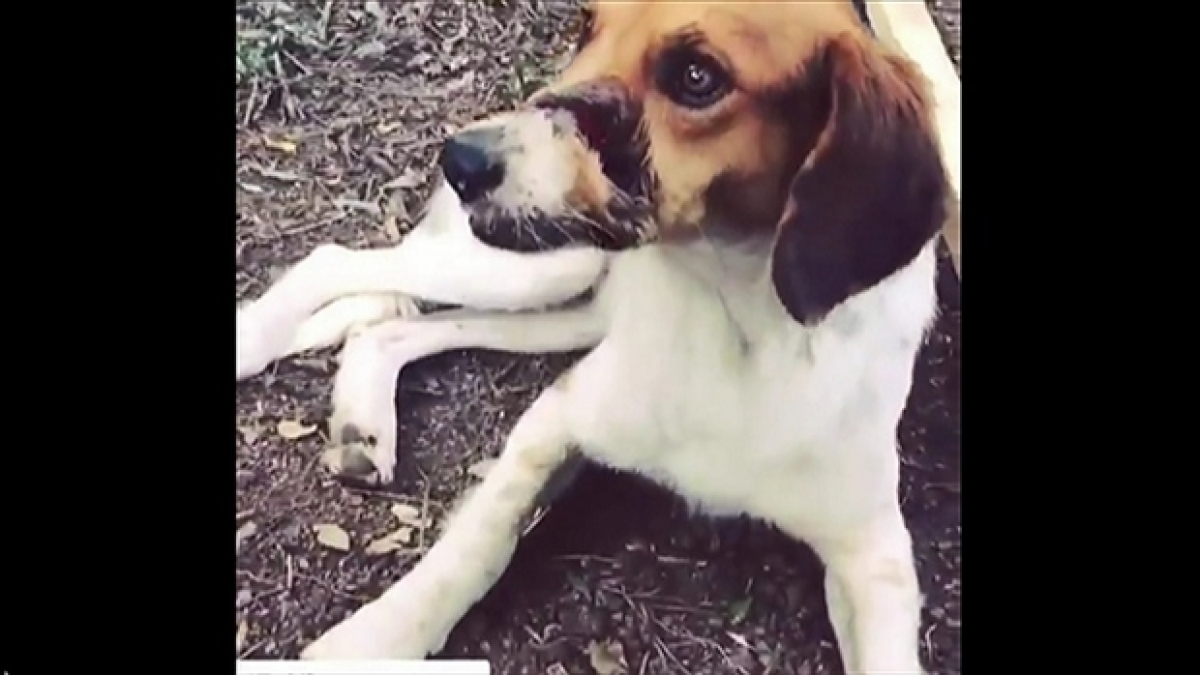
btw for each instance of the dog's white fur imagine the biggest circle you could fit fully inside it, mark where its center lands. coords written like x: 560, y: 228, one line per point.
x: 317, y: 302
x: 698, y: 379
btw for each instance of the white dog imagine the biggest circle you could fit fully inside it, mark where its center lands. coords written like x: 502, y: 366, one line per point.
x: 754, y: 192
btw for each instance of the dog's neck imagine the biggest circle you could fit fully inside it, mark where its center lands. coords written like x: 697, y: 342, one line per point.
x: 737, y: 270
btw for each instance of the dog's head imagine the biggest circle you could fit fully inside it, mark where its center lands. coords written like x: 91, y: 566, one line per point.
x: 679, y: 120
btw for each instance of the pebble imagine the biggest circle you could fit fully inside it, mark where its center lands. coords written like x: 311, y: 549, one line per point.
x: 244, y: 597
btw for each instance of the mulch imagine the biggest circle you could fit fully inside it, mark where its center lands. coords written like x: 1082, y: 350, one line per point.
x: 340, y: 111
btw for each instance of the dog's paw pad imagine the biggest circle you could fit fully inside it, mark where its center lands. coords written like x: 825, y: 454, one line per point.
x: 351, y: 461
x: 350, y: 434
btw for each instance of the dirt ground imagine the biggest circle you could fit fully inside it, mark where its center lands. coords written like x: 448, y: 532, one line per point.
x: 340, y: 110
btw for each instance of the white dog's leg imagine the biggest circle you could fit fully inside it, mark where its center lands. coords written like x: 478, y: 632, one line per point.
x: 331, y: 324
x: 363, y: 428
x: 440, y: 261
x: 839, y: 618
x: 413, y: 618
x: 873, y: 597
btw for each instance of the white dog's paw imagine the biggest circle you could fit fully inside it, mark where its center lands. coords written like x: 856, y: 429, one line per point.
x: 363, y: 427
x: 359, y: 455
x: 343, y: 317
x: 380, y: 630
x: 255, y: 347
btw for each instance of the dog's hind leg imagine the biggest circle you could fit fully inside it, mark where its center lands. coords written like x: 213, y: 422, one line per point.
x: 363, y: 428
x: 413, y: 618
x: 439, y: 261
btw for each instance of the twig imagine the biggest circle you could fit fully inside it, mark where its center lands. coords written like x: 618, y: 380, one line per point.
x: 425, y: 517
x: 325, y: 12
x: 250, y: 103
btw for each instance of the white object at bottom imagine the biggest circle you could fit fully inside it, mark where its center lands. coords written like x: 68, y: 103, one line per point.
x: 363, y: 668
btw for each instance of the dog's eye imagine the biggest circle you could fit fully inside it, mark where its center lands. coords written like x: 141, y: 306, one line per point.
x: 692, y: 79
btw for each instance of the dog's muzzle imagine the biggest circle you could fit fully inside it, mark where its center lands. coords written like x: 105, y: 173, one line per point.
x: 488, y: 166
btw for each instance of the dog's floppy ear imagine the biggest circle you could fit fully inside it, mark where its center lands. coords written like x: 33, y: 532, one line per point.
x: 871, y: 192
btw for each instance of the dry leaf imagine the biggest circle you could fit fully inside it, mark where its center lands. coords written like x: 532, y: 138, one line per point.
x: 739, y: 610
x: 315, y: 364
x: 332, y: 536
x: 383, y: 545
x: 282, y: 145
x: 376, y: 10
x: 390, y: 542
x: 292, y: 429
x: 482, y: 467
x: 409, y: 515
x: 372, y: 48
x: 741, y: 640
x: 245, y: 532
x: 607, y: 658
x: 407, y: 179
x: 391, y: 230
x: 464, y: 81
x: 243, y: 631
x: 250, y: 433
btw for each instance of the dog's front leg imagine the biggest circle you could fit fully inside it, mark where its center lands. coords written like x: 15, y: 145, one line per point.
x: 413, y: 618
x: 333, y: 323
x: 363, y: 427
x: 873, y: 596
x: 439, y: 261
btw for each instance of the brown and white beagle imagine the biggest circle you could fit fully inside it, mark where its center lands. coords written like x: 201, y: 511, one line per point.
x: 753, y: 191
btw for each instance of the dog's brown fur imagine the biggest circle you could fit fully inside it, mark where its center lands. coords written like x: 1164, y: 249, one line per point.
x: 824, y: 132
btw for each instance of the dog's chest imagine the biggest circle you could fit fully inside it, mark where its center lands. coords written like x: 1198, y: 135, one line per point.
x: 679, y: 393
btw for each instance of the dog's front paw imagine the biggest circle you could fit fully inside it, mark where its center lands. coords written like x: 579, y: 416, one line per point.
x: 340, y: 319
x: 363, y: 427
x: 380, y: 630
x: 358, y: 456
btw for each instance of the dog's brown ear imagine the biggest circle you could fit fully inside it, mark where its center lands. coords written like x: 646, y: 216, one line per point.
x: 871, y: 192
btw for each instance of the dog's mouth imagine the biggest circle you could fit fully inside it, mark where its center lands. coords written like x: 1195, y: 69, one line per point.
x: 612, y: 129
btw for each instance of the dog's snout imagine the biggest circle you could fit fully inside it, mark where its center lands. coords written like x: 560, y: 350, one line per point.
x: 472, y: 163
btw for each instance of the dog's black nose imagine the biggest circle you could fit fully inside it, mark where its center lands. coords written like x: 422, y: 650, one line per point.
x: 472, y: 164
